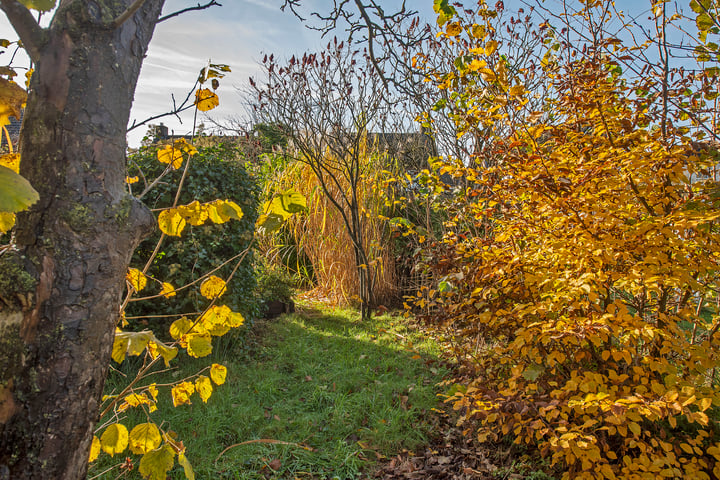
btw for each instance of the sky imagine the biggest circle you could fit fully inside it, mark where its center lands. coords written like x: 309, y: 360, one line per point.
x: 237, y: 34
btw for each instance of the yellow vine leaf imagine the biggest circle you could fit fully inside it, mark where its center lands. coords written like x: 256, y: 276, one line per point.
x: 135, y: 400
x: 214, y: 321
x: 7, y: 221
x: 156, y: 348
x: 12, y: 100
x: 120, y: 346
x: 199, y: 345
x: 131, y: 180
x: 136, y: 279
x: 181, y: 327
x: 153, y: 391
x: 155, y: 465
x: 183, y: 462
x: 218, y: 373
x: 453, y: 29
x: 94, y: 449
x: 114, y: 439
x: 227, y: 209
x: 11, y: 161
x: 181, y: 393
x: 169, y: 154
x: 144, y: 438
x: 185, y: 146
x: 204, y: 387
x: 206, y: 99
x: 171, y: 222
x: 194, y: 213
x: 167, y: 290
x: 213, y: 287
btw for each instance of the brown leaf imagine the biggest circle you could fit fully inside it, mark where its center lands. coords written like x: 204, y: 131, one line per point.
x: 275, y: 464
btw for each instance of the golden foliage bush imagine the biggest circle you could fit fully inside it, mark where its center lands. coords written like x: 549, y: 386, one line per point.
x: 586, y: 300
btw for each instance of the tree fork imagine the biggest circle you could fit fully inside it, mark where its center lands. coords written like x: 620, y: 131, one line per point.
x: 75, y: 244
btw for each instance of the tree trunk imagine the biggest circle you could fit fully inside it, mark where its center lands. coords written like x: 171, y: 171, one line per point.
x: 62, y: 288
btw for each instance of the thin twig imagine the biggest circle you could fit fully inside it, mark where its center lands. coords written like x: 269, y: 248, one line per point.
x: 180, y: 12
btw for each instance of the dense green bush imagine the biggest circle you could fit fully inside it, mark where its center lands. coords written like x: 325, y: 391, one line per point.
x: 216, y: 172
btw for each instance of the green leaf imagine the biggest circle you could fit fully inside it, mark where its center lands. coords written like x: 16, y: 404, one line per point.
x: 156, y: 464
x: 16, y: 193
x: 532, y: 372
x: 42, y: 5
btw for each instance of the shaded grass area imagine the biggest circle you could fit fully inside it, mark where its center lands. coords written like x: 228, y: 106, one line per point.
x: 340, y: 392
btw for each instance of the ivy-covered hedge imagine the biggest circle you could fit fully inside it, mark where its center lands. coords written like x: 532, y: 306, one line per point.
x: 216, y: 172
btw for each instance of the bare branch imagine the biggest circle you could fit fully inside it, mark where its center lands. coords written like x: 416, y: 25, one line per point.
x: 129, y: 12
x: 189, y: 9
x: 31, y: 34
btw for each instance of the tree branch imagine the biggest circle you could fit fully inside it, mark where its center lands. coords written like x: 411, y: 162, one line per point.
x: 129, y: 12
x: 180, y: 12
x: 31, y: 34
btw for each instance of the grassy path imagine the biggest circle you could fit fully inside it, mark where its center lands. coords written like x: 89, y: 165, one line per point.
x: 337, y: 392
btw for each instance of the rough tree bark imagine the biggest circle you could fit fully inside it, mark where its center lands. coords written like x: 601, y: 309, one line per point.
x: 61, y: 289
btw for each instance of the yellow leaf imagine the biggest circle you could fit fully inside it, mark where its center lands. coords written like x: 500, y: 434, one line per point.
x: 182, y: 327
x: 134, y: 400
x: 634, y: 428
x: 185, y: 146
x: 181, y: 393
x: 167, y: 290
x: 7, y: 221
x: 120, y: 346
x: 183, y: 461
x: 194, y: 213
x: 227, y: 209
x: 131, y: 180
x: 204, y: 387
x: 144, y: 438
x: 206, y: 99
x: 12, y: 100
x: 453, y: 29
x: 94, y: 449
x: 218, y: 373
x: 137, y: 342
x: 136, y: 279
x: 158, y: 348
x: 153, y: 391
x: 171, y: 222
x: 235, y: 319
x: 169, y: 154
x: 11, y: 161
x: 199, y: 345
x: 114, y: 439
x: 215, y: 320
x: 705, y: 404
x: 155, y: 465
x: 213, y: 287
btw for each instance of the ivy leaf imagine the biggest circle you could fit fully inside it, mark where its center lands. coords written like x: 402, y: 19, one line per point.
x: 144, y: 438
x: 218, y: 373
x: 41, y: 5
x: 181, y: 393
x: 155, y: 465
x: 114, y: 439
x: 213, y: 287
x: 16, y: 193
x: 204, y: 387
x: 206, y: 99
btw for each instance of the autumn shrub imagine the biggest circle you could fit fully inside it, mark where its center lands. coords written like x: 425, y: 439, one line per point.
x: 215, y: 172
x: 578, y: 275
x: 320, y: 235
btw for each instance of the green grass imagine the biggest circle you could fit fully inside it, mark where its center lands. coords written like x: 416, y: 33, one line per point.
x: 343, y: 392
